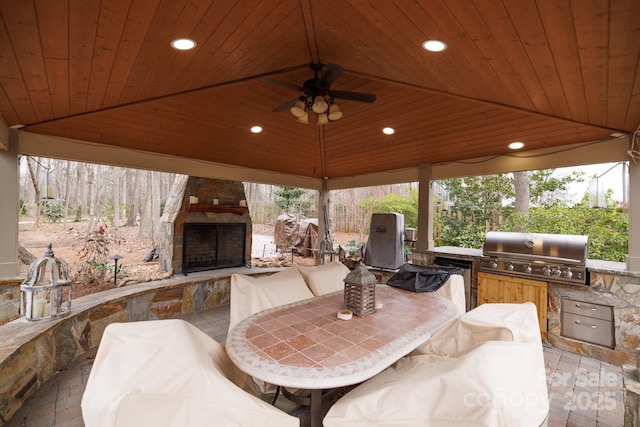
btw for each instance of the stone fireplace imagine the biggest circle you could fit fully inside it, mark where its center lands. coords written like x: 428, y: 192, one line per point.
x: 197, y: 234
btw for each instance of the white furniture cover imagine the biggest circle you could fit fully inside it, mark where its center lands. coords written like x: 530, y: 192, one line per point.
x: 496, y: 384
x: 169, y: 373
x: 324, y: 279
x: 453, y: 289
x: 499, y: 321
x: 250, y: 295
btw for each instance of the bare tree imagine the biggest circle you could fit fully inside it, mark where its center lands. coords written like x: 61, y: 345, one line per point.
x: 116, y: 201
x: 149, y: 215
x: 96, y: 193
x: 36, y: 188
x: 133, y: 180
x: 66, y: 171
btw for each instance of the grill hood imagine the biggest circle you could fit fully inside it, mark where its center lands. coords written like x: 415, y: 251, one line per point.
x: 558, y: 248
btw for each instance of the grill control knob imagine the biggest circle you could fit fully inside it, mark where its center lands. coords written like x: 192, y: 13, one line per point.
x: 493, y: 264
x: 509, y: 266
x: 546, y: 270
x: 527, y: 268
x: 556, y: 272
x: 567, y: 274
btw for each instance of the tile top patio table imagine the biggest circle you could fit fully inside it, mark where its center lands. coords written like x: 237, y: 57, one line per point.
x: 304, y: 344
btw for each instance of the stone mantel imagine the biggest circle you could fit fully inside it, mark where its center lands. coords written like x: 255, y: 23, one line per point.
x: 239, y: 210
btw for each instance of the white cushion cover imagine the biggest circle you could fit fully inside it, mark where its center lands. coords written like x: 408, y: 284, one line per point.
x: 169, y: 373
x: 324, y: 279
x: 250, y: 295
x: 497, y: 384
x: 453, y: 289
x: 499, y: 321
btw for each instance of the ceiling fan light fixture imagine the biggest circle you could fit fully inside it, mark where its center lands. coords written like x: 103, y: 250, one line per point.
x: 323, y: 119
x: 304, y: 119
x: 298, y: 109
x: 334, y: 113
x: 319, y: 105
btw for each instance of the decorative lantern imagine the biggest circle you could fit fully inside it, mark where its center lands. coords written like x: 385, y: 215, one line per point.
x: 46, y: 287
x: 360, y: 291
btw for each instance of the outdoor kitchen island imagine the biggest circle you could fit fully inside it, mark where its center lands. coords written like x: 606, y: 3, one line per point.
x: 609, y: 285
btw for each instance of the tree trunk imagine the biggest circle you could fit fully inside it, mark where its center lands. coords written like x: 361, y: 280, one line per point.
x: 116, y: 202
x: 146, y: 225
x: 25, y: 256
x: 150, y: 214
x: 67, y: 189
x: 90, y: 197
x: 521, y: 187
x: 36, y: 188
x: 133, y: 180
x: 156, y: 178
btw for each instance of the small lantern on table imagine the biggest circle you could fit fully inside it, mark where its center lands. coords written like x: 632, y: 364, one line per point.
x: 360, y: 291
x: 45, y: 288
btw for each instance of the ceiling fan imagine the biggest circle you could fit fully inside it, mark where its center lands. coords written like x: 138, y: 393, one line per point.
x: 317, y: 94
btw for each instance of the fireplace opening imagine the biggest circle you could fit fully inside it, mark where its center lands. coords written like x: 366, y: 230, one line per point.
x: 212, y: 246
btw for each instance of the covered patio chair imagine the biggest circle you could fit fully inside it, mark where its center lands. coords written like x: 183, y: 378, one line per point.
x: 250, y: 295
x: 486, y: 368
x: 453, y: 289
x: 496, y: 384
x: 169, y: 373
x: 487, y: 322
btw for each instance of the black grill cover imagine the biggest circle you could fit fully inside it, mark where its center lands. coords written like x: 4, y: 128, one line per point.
x: 421, y: 278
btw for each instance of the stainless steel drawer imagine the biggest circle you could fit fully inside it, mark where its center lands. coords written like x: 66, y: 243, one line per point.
x: 598, y: 311
x: 588, y: 329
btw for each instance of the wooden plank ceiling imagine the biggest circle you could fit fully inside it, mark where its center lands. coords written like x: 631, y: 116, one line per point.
x: 547, y: 73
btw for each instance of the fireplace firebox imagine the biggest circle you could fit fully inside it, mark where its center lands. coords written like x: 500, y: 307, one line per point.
x: 211, y: 246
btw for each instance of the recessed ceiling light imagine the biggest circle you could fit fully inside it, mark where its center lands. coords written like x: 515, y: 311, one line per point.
x: 256, y: 129
x: 516, y: 145
x: 16, y: 126
x: 617, y: 135
x: 388, y: 131
x: 434, y: 45
x: 183, y: 44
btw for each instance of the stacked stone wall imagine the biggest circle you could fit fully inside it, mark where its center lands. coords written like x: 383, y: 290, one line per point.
x: 32, y: 352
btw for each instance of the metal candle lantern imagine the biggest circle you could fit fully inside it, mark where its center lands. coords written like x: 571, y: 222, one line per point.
x: 360, y: 291
x: 43, y: 291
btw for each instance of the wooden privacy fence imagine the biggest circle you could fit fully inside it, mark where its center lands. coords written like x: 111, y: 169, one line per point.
x: 345, y: 218
x: 349, y: 218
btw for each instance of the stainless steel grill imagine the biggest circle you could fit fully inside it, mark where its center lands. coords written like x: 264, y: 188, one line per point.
x: 550, y: 257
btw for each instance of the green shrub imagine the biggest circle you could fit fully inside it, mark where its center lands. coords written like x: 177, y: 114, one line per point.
x: 52, y: 210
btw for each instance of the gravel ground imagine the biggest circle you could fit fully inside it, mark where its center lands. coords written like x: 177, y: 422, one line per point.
x: 263, y: 247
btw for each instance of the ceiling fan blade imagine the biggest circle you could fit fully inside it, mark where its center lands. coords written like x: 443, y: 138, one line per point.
x: 354, y: 96
x: 286, y: 105
x: 332, y: 72
x: 282, y: 84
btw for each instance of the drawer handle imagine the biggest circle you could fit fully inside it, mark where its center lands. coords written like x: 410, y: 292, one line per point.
x: 586, y: 325
x: 586, y: 308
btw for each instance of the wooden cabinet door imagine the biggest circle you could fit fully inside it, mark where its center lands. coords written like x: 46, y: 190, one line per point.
x: 494, y: 288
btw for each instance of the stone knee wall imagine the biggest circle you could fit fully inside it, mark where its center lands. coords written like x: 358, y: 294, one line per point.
x: 9, y: 298
x: 32, y: 352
